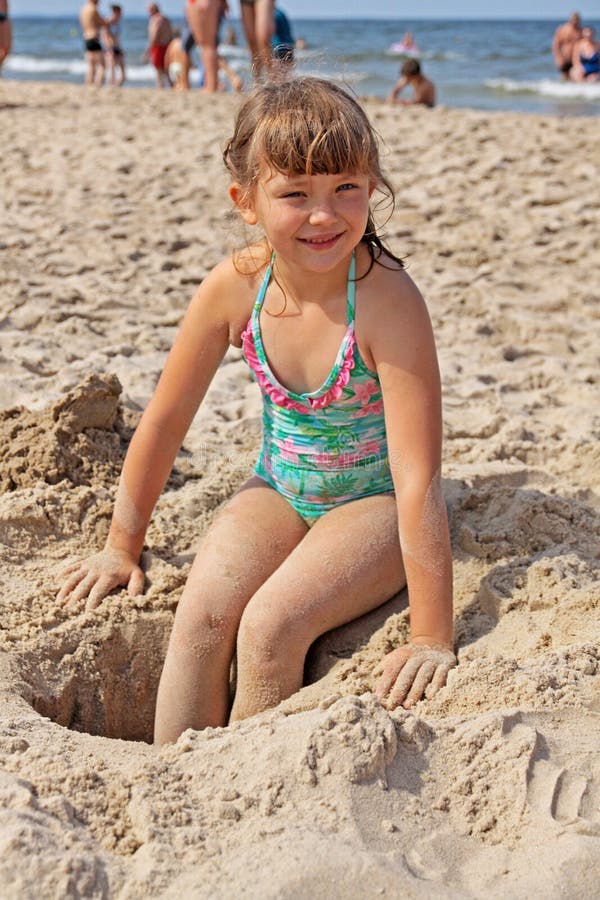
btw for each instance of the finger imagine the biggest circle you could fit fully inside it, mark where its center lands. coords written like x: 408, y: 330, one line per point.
x: 99, y: 591
x: 403, y: 683
x: 71, y: 583
x: 136, y: 583
x: 83, y: 588
x: 439, y: 680
x: 386, y: 682
x: 72, y: 567
x: 421, y: 680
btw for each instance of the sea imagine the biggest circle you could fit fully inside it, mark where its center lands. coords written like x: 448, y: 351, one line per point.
x: 488, y: 65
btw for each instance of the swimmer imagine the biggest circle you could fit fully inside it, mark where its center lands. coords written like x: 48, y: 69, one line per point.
x: 345, y: 505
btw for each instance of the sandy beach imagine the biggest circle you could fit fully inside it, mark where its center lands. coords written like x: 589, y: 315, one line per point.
x: 113, y: 208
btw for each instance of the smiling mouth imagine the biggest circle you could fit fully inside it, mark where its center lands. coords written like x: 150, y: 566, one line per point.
x: 325, y: 240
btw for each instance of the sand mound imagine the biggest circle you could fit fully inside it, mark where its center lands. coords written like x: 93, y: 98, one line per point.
x: 80, y: 438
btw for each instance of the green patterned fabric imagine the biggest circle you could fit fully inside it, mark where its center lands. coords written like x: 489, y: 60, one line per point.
x: 327, y: 447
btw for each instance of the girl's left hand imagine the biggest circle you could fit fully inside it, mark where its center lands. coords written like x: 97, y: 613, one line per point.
x: 412, y: 672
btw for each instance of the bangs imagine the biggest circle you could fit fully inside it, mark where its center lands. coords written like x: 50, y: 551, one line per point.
x: 316, y: 138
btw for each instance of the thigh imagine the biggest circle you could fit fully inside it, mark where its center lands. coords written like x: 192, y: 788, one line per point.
x: 247, y: 16
x: 349, y: 563
x: 264, y: 11
x: 248, y: 540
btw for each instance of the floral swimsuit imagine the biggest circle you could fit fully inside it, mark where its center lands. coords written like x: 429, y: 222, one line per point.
x: 327, y: 447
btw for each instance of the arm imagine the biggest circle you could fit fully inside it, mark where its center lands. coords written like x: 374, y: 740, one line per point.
x: 397, y: 89
x: 556, y: 45
x: 191, y: 364
x: 403, y: 348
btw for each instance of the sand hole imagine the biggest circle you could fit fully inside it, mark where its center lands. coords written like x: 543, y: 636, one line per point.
x: 102, y: 681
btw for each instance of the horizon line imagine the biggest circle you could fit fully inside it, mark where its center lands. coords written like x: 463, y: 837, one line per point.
x: 142, y: 16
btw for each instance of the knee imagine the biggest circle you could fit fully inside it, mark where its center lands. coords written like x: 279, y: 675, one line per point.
x: 203, y: 630
x: 271, y: 632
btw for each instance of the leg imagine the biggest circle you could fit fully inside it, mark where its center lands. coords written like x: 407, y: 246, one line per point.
x: 264, y: 11
x: 348, y: 563
x: 99, y: 64
x: 248, y: 540
x: 247, y: 14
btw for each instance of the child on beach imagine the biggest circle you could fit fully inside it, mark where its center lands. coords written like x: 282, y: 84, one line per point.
x: 345, y: 506
x: 412, y: 76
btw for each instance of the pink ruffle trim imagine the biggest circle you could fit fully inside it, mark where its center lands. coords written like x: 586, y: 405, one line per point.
x: 279, y: 396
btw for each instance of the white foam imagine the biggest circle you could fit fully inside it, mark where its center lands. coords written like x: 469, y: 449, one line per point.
x: 561, y: 89
x: 32, y: 65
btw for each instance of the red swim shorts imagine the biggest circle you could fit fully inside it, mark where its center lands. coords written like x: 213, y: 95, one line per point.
x: 157, y: 57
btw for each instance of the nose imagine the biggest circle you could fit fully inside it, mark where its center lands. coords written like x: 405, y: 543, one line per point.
x: 322, y: 213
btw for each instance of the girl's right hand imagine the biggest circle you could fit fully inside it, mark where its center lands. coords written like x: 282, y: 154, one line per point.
x: 98, y: 575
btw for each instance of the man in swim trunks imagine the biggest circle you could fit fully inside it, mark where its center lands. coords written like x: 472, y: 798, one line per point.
x: 565, y: 38
x: 91, y: 22
x: 5, y: 32
x: 159, y: 38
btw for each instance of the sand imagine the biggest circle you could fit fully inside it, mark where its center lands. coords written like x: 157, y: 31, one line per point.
x: 113, y: 208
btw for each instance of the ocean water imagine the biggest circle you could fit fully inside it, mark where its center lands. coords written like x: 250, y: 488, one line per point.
x: 492, y: 65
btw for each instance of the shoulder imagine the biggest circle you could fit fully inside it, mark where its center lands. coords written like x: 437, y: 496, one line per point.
x: 391, y: 315
x: 388, y: 294
x: 228, y: 292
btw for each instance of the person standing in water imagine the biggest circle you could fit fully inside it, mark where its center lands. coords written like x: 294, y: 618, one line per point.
x: 345, y: 505
x: 115, y: 55
x: 563, y: 43
x: 159, y: 38
x: 91, y: 25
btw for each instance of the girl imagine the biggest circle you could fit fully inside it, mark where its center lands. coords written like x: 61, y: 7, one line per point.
x: 340, y: 342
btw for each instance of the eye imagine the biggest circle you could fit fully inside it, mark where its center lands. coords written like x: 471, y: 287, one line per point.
x: 292, y: 195
x: 347, y: 186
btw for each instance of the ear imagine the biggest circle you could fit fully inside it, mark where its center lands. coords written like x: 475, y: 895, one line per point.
x: 242, y: 203
x: 372, y: 186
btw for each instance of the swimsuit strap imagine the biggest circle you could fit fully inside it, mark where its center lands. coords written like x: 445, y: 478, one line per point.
x: 260, y: 297
x: 350, y: 296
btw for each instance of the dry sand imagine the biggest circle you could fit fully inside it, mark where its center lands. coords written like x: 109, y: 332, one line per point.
x: 113, y: 207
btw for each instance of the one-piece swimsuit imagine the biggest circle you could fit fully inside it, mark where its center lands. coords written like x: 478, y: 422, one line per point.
x: 325, y: 447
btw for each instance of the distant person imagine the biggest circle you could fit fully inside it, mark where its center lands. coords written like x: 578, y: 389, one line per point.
x: 188, y: 44
x: 408, y: 42
x: 586, y: 57
x: 283, y: 42
x: 565, y: 38
x: 91, y: 24
x: 258, y: 21
x: 423, y: 88
x: 178, y: 64
x: 5, y: 33
x: 159, y: 38
x: 115, y: 56
x: 203, y: 17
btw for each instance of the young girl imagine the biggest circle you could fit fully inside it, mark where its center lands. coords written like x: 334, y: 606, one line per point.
x: 345, y: 504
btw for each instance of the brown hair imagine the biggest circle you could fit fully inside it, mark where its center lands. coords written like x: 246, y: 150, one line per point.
x: 410, y: 68
x: 307, y: 126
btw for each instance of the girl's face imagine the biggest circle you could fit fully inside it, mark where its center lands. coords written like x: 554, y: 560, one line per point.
x: 312, y: 221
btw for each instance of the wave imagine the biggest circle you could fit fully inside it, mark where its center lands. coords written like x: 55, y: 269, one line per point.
x: 564, y: 90
x: 437, y: 55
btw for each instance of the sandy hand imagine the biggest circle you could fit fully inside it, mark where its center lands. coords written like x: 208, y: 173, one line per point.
x: 412, y: 672
x: 98, y: 575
